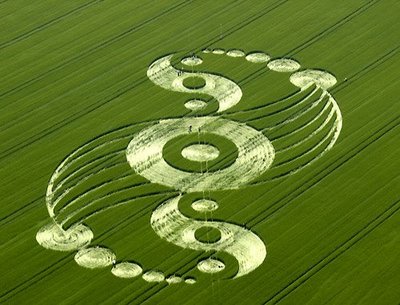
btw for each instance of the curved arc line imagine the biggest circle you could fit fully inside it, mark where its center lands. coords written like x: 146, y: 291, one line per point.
x: 298, y: 103
x: 316, y: 131
x: 305, y: 125
x: 298, y: 114
x: 92, y: 202
x: 96, y: 188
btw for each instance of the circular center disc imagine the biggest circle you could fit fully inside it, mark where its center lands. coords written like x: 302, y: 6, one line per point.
x: 200, y: 152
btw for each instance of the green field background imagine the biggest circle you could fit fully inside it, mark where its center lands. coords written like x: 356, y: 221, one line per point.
x: 71, y: 70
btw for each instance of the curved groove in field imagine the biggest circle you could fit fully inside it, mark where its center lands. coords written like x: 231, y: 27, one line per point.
x: 126, y: 201
x: 51, y: 193
x: 99, y: 185
x: 297, y: 115
x: 87, y: 205
x: 100, y: 171
x: 289, y: 107
x: 96, y: 165
x: 302, y: 127
x: 319, y: 144
x: 72, y: 202
x: 326, y: 121
x: 291, y: 98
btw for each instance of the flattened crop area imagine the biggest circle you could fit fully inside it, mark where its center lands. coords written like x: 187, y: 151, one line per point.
x: 199, y: 152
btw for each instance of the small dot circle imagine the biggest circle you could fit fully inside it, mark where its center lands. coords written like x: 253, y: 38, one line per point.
x: 218, y: 51
x: 190, y: 281
x: 284, y: 65
x: 235, y: 53
x: 195, y: 104
x: 258, y: 57
x: 200, y: 152
x: 204, y: 205
x: 192, y: 61
x: 210, y: 265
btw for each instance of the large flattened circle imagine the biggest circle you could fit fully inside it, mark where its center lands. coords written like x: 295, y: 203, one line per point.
x: 255, y: 154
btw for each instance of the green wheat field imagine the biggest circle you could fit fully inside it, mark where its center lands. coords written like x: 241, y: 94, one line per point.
x: 75, y: 85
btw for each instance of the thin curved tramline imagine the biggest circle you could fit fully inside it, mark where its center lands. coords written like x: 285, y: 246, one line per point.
x: 301, y: 128
x: 324, y: 123
x: 127, y: 201
x: 326, y: 137
x: 126, y: 174
x: 75, y: 157
x: 84, y: 179
x: 333, y: 131
x: 51, y: 193
x: 84, y: 171
x: 145, y: 156
x: 312, y: 134
x: 290, y: 107
x: 298, y: 115
x: 94, y: 201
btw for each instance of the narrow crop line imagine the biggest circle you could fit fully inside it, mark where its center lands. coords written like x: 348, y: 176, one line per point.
x: 47, y: 24
x: 338, y: 24
x: 387, y: 56
x: 309, y: 150
x: 337, y: 252
x: 101, y: 45
x: 88, y: 204
x: 290, y: 107
x: 85, y: 170
x: 35, y: 278
x: 118, y: 203
x: 289, y: 97
x: 311, y: 134
x: 97, y: 187
x: 300, y: 113
x: 304, y: 126
x: 5, y: 219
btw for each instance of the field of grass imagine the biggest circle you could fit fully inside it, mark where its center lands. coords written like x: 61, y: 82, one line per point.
x: 72, y: 72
